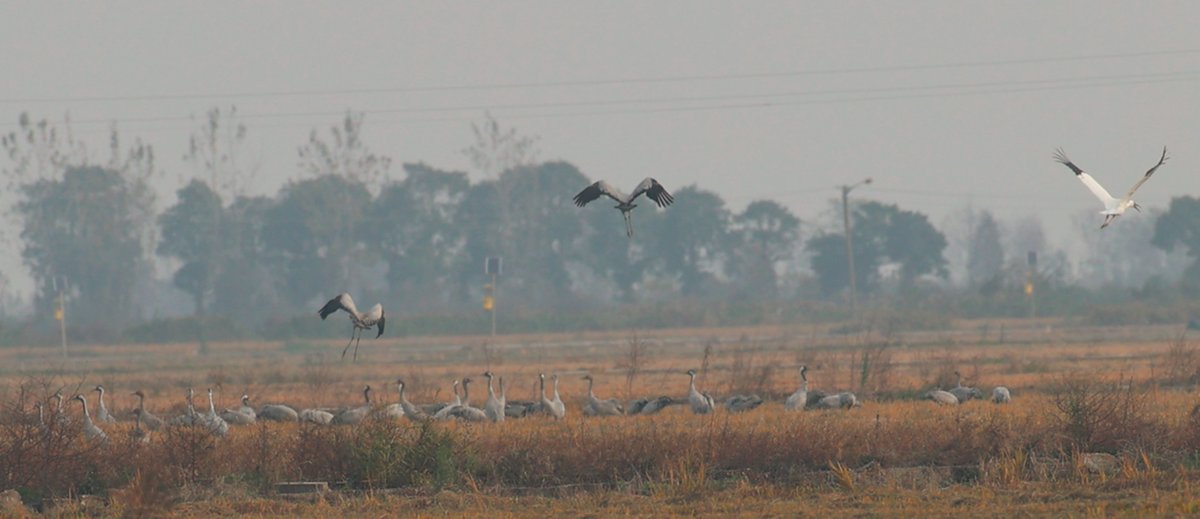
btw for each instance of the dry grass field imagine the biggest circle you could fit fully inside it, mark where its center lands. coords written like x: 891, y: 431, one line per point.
x: 1101, y: 423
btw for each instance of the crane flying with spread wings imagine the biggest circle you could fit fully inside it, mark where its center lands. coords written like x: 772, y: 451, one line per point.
x: 1113, y: 207
x: 373, y: 318
x: 653, y: 190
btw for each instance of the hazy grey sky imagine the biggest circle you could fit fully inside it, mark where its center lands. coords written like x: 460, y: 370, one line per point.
x: 945, y: 103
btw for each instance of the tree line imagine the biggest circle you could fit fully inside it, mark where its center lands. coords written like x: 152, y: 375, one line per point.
x: 417, y: 240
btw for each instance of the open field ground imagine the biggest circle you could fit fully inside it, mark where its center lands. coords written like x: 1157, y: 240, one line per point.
x: 1079, y: 395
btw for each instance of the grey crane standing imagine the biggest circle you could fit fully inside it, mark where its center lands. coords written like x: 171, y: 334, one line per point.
x: 701, y: 403
x: 138, y: 434
x: 494, y: 406
x: 102, y: 413
x: 799, y: 400
x: 597, y: 407
x: 151, y: 422
x: 215, y: 423
x: 412, y: 412
x: 964, y: 393
x: 90, y: 431
x: 355, y: 415
x: 465, y: 411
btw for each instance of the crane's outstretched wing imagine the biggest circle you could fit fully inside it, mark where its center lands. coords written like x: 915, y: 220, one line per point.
x: 653, y: 191
x: 597, y: 189
x: 1146, y: 177
x: 375, y: 317
x: 1087, y: 179
x: 342, y: 302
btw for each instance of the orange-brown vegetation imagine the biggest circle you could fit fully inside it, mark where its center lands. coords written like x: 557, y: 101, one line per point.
x: 1077, y: 391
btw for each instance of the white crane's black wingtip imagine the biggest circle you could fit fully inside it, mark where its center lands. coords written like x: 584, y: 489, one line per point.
x: 1061, y: 157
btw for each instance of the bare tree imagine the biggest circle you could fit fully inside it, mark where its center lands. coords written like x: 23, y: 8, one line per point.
x: 38, y: 150
x: 498, y: 149
x: 217, y: 150
x: 345, y: 155
x: 137, y: 165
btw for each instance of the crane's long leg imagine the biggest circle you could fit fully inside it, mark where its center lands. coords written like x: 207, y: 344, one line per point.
x: 347, y: 348
x: 356, y: 346
x: 628, y: 224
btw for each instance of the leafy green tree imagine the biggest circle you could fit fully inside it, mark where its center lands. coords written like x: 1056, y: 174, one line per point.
x: 764, y: 234
x: 1180, y: 226
x: 245, y: 287
x: 911, y: 241
x: 476, y: 219
x: 985, y: 252
x: 882, y: 233
x: 540, y: 230
x: 192, y: 231
x: 41, y: 155
x: 609, y: 255
x: 84, y: 228
x: 313, y: 236
x: 414, y: 231
x: 828, y: 259
x: 687, y: 240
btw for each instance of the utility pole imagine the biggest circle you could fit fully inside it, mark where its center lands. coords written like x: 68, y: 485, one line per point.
x: 850, y: 242
x: 491, y: 267
x: 1030, y: 277
x: 60, y: 313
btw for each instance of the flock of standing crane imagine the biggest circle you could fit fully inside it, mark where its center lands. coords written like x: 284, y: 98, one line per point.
x: 496, y: 408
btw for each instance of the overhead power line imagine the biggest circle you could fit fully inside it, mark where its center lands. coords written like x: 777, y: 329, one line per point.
x: 728, y: 101
x: 600, y: 82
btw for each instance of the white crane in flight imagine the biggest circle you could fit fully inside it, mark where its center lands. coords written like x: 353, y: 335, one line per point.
x: 1113, y: 207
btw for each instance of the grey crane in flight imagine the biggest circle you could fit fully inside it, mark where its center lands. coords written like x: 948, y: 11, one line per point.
x: 653, y: 190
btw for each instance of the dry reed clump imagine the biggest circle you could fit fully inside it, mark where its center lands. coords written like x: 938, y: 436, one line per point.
x: 318, y: 453
x: 384, y: 455
x: 746, y: 377
x: 1182, y: 361
x: 1099, y: 416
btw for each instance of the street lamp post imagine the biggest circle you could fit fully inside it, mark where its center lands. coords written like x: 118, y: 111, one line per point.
x: 850, y: 243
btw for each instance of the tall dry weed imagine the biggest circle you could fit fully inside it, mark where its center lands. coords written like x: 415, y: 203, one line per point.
x: 1182, y: 361
x: 635, y: 356
x: 1099, y: 416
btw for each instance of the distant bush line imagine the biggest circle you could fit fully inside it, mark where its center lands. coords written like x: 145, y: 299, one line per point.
x: 917, y: 313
